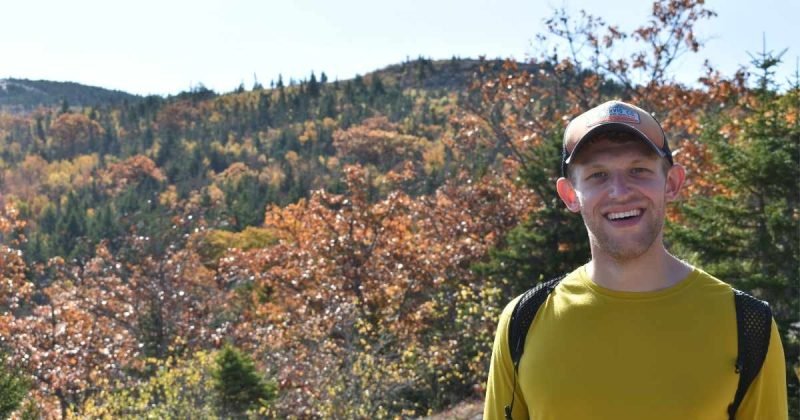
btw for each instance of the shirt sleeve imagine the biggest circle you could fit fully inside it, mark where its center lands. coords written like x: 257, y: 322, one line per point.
x: 500, y: 384
x: 767, y: 396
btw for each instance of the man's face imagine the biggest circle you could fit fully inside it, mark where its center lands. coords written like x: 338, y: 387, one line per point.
x: 621, y: 191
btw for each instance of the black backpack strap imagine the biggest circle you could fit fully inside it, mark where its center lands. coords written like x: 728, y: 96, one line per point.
x: 521, y: 318
x: 753, y: 327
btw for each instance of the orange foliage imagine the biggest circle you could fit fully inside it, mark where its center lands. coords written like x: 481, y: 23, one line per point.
x: 71, y: 133
x: 177, y: 116
x: 346, y: 273
x: 379, y: 142
x: 131, y: 171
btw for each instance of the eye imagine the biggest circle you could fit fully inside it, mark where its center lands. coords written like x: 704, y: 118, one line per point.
x: 640, y: 171
x: 597, y: 175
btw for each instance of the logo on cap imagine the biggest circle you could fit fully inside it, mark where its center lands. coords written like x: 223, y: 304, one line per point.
x: 615, y: 113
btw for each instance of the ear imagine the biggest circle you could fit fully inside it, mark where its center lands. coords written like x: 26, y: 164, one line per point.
x: 568, y: 195
x: 675, y: 178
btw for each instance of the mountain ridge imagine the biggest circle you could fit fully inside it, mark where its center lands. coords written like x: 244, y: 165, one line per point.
x: 19, y: 95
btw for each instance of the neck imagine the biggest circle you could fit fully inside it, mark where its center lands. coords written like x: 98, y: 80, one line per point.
x: 654, y: 270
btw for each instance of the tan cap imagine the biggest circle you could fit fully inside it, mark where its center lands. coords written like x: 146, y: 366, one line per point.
x: 613, y: 116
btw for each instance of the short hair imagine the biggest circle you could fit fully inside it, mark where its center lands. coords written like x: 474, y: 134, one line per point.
x: 618, y: 137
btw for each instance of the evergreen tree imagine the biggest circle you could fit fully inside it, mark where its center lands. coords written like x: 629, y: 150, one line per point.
x: 104, y: 224
x: 551, y: 242
x: 256, y: 84
x: 313, y: 86
x: 247, y: 200
x: 263, y: 111
x: 71, y: 227
x: 40, y: 128
x: 376, y: 88
x: 239, y: 386
x: 747, y: 235
x: 327, y: 106
x: 13, y: 388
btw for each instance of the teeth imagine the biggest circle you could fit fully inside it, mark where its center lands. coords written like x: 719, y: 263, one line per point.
x: 631, y: 213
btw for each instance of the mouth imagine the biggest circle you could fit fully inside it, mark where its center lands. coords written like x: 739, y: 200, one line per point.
x: 624, y: 218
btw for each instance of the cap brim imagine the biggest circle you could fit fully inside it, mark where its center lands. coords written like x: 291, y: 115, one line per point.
x: 612, y: 126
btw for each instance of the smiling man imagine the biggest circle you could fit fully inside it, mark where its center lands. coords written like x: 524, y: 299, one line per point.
x: 636, y: 333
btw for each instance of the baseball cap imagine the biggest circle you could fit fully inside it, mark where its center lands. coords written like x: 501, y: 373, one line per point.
x: 613, y: 116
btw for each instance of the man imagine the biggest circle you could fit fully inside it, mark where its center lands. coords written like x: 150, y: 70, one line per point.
x: 635, y: 333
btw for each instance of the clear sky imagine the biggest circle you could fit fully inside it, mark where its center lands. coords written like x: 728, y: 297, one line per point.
x: 167, y: 46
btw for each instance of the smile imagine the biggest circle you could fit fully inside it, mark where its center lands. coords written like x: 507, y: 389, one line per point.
x: 624, y: 214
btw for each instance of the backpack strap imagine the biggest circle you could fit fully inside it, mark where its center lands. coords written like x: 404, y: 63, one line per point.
x: 753, y: 327
x: 521, y: 319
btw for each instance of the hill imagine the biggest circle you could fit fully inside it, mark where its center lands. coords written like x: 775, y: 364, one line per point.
x: 350, y: 236
x: 455, y: 74
x: 18, y: 95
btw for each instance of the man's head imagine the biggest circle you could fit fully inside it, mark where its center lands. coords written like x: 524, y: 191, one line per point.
x: 614, y: 137
x: 613, y: 116
x: 620, y: 175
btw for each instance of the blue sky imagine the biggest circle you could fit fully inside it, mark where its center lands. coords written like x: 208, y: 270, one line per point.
x: 164, y: 47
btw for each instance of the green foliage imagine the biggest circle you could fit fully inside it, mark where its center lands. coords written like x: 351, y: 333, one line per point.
x: 551, y: 242
x: 283, y: 136
x: 13, y: 388
x: 747, y: 235
x: 238, y: 385
x: 247, y: 200
x: 28, y: 94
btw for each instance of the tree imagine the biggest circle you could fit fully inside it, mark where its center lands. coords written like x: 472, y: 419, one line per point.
x: 747, y: 233
x: 313, y: 86
x: 72, y: 133
x: 356, y: 293
x: 378, y: 142
x: 238, y: 385
x: 13, y: 388
x: 178, y: 388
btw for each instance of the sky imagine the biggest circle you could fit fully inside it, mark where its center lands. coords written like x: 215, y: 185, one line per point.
x: 167, y: 46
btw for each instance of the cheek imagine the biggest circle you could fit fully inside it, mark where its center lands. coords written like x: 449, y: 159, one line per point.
x: 587, y: 199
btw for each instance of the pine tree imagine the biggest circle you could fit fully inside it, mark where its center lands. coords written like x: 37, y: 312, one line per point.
x: 313, y: 86
x: 13, y: 388
x: 239, y: 386
x: 263, y: 110
x: 551, y: 242
x: 747, y: 235
x: 376, y: 88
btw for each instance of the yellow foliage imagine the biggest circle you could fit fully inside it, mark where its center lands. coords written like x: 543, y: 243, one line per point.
x: 169, y: 197
x: 213, y: 244
x: 309, y: 132
x: 178, y: 389
x: 292, y: 157
x: 433, y: 157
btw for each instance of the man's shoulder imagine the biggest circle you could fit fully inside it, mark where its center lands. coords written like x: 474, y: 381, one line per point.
x: 539, y: 289
x: 711, y: 283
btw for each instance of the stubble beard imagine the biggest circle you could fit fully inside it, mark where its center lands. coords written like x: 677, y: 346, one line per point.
x: 628, y: 247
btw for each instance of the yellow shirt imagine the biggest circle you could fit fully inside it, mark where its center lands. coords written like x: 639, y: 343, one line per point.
x: 595, y: 353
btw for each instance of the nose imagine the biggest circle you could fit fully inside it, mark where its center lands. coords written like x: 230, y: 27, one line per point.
x: 619, y: 187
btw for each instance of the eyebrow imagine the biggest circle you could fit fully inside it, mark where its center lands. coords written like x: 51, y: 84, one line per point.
x: 594, y: 164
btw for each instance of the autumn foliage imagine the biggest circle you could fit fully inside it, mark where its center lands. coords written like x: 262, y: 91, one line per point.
x: 356, y: 239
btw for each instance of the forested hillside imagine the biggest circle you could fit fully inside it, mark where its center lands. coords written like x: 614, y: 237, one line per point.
x: 321, y: 248
x: 20, y: 95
